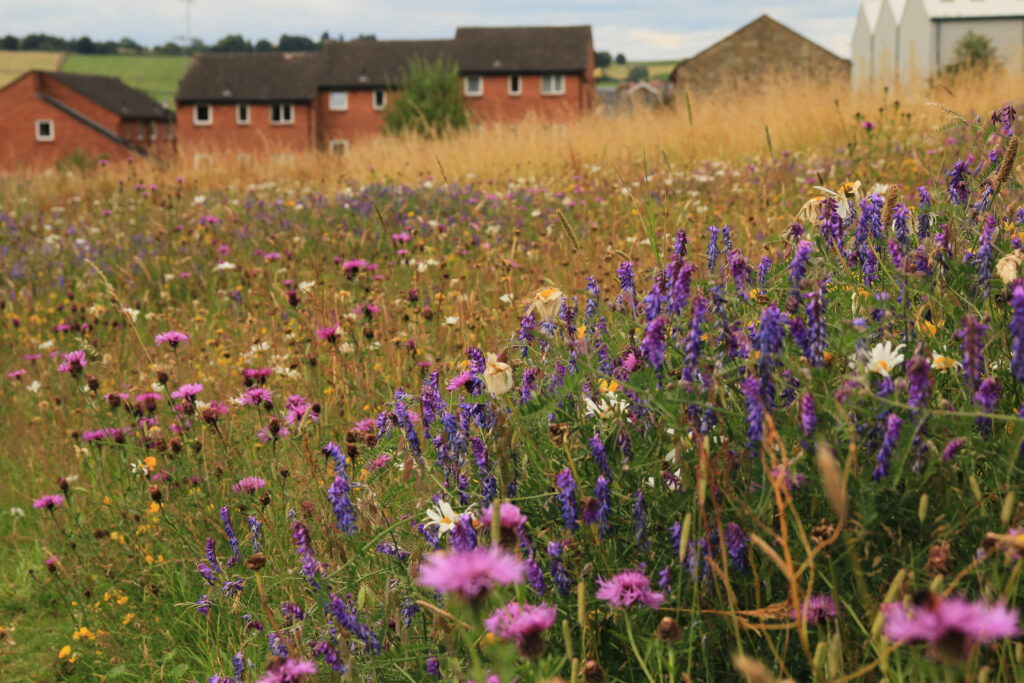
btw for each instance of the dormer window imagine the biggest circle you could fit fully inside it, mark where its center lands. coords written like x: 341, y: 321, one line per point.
x: 515, y: 85
x: 202, y: 114
x: 242, y: 117
x: 380, y: 99
x: 473, y: 86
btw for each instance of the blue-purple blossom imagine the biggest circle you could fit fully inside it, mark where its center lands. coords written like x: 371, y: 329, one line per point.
x: 558, y: 574
x: 755, y: 411
x: 653, y: 344
x: 1017, y: 330
x: 972, y: 341
x: 567, y: 496
x: 889, y: 440
x: 957, y: 187
x: 225, y: 517
x: 808, y: 416
x: 640, y: 522
x: 341, y: 503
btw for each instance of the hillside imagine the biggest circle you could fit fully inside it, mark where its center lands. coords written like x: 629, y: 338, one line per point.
x: 13, y: 63
x: 156, y: 75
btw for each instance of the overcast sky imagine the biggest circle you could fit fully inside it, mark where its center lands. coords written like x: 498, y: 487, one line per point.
x: 641, y: 29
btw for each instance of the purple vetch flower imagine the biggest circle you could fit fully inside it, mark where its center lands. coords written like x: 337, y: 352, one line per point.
x: 304, y: 548
x: 713, y: 251
x: 983, y: 259
x: 755, y: 411
x: 763, y: 268
x: 207, y: 572
x: 525, y: 335
x: 679, y: 245
x: 558, y: 573
x: 593, y: 299
x: 597, y: 452
x: 919, y: 381
x: 627, y: 285
x: 900, y: 218
x: 535, y: 575
x: 567, y: 496
x: 463, y: 535
x: 653, y: 344
x: 330, y: 656
x: 345, y: 616
x: 529, y: 385
x: 972, y: 341
x: 889, y: 440
x: 924, y: 219
x: 203, y: 604
x: 808, y: 416
x: 654, y: 300
x: 1017, y: 329
x: 816, y: 331
x: 736, y: 545
x: 603, y: 496
x: 798, y: 266
x: 1004, y: 118
x: 692, y: 343
x: 680, y: 276
x: 225, y: 517
x: 257, y: 533
x: 986, y: 396
x: 211, y: 554
x: 740, y: 271
x: 433, y: 667
x: 640, y: 522
x: 238, y: 664
x: 628, y: 588
x: 344, y: 512
x: 957, y: 187
x: 831, y: 223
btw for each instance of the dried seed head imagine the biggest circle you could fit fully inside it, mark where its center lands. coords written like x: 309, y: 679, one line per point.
x: 892, y: 196
x: 256, y: 562
x: 668, y: 630
x: 831, y: 478
x: 592, y: 672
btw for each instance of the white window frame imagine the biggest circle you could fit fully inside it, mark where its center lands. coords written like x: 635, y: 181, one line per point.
x: 332, y: 105
x: 338, y: 146
x: 196, y: 121
x: 383, y: 99
x: 200, y: 160
x: 472, y: 93
x: 290, y: 120
x: 238, y: 113
x: 557, y: 80
x: 39, y: 136
x: 519, y: 81
x: 154, y: 130
x: 140, y: 130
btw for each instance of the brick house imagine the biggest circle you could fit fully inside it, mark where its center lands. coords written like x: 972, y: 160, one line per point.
x: 325, y: 100
x: 49, y: 116
x: 758, y: 52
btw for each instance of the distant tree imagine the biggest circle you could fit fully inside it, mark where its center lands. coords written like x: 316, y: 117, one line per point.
x: 264, y: 45
x: 232, y: 43
x: 638, y: 73
x: 9, y: 42
x: 366, y: 36
x: 620, y: 58
x: 197, y: 45
x: 108, y: 47
x: 126, y: 44
x: 431, y: 101
x: 289, y: 43
x: 324, y: 37
x: 973, y: 51
x: 168, y: 48
x: 41, y: 41
x: 85, y: 46
x: 602, y: 59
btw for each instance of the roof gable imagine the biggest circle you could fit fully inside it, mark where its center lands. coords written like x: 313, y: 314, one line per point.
x: 112, y: 94
x: 761, y: 22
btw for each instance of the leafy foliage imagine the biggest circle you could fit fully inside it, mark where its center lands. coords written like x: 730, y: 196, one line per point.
x: 430, y: 102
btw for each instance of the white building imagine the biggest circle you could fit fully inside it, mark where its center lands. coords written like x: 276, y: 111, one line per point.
x: 907, y: 41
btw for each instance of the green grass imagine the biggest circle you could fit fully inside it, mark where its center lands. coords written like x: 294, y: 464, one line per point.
x: 14, y: 63
x: 156, y: 75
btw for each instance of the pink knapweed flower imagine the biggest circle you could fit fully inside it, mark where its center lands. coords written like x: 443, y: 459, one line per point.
x: 510, y: 517
x: 288, y: 671
x: 628, y: 588
x: 522, y: 624
x: 187, y: 391
x: 173, y: 338
x: 54, y: 500
x: 249, y: 485
x: 953, y: 626
x: 74, y: 362
x: 470, y: 573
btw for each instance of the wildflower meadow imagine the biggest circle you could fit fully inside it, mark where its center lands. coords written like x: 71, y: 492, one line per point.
x: 755, y: 418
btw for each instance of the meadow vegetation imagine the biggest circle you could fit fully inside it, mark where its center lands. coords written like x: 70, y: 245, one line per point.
x: 725, y: 391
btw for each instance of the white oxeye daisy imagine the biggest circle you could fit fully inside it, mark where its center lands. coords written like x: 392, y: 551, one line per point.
x: 444, y: 518
x: 883, y: 359
x: 942, y: 362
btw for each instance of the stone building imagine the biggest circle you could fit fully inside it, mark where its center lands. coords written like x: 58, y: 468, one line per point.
x: 757, y: 54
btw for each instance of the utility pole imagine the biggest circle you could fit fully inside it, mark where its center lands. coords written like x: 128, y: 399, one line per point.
x: 188, y: 23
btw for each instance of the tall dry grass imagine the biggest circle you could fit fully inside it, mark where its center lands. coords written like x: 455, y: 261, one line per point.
x: 731, y: 124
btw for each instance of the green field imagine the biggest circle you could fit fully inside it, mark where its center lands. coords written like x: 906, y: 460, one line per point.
x: 13, y: 63
x: 619, y: 72
x: 156, y: 75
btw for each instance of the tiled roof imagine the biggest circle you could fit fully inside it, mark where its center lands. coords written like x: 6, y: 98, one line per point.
x: 112, y: 94
x: 251, y: 77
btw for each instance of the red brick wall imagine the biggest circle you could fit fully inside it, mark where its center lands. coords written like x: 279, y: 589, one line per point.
x: 258, y: 137
x: 18, y: 145
x: 360, y: 121
x: 497, y: 105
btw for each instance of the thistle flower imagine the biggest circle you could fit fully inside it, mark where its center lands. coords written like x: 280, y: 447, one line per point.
x: 567, y: 496
x: 470, y: 574
x: 287, y: 671
x: 653, y: 344
x: 173, y: 338
x: 628, y: 588
x: 522, y: 624
x: 952, y: 625
x: 889, y: 440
